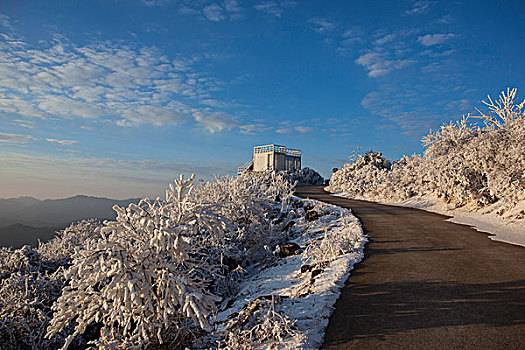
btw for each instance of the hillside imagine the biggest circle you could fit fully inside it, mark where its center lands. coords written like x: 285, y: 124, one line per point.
x: 25, y: 220
x: 18, y: 235
x: 57, y: 212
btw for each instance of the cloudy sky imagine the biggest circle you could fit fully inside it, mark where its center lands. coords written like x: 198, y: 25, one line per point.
x: 116, y: 98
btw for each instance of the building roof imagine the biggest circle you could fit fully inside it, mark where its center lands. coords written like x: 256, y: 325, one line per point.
x: 276, y: 149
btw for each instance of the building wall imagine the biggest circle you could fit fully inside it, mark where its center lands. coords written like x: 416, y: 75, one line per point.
x: 291, y: 163
x: 275, y: 161
x: 280, y: 161
x: 263, y: 161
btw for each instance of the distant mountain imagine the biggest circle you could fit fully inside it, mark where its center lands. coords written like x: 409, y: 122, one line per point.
x: 57, y: 212
x: 18, y: 235
x: 11, y: 207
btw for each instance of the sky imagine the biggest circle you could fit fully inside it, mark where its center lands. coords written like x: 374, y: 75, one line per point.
x: 117, y: 98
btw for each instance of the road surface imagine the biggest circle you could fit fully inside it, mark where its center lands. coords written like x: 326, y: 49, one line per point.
x: 426, y: 284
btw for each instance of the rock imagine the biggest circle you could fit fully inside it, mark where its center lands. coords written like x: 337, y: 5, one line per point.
x: 298, y: 204
x: 288, y: 249
x: 288, y: 225
x: 311, y: 215
x: 230, y: 263
x: 306, y: 268
x: 316, y: 272
x: 308, y: 207
x: 280, y: 217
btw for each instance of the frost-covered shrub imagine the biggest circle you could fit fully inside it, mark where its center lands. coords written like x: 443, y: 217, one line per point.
x: 28, y: 288
x: 362, y: 176
x: 333, y: 243
x: 244, y: 202
x: 462, y: 164
x: 307, y: 176
x: 154, y: 274
x: 157, y: 271
x: 260, y: 323
x: 31, y: 280
x: 253, y: 206
x: 142, y: 278
x: 62, y: 246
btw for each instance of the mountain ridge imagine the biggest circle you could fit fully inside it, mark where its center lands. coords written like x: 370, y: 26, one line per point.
x: 37, y: 214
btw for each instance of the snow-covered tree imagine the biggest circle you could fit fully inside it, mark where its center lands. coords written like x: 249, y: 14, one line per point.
x: 463, y: 163
x: 142, y: 278
x: 147, y: 276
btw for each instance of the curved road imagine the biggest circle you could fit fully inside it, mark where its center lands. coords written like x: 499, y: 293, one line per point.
x: 426, y: 284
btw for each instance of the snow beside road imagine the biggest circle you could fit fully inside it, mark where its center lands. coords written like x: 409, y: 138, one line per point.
x: 500, y: 229
x: 306, y: 299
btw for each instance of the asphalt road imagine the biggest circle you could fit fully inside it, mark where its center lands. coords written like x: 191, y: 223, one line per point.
x: 426, y: 284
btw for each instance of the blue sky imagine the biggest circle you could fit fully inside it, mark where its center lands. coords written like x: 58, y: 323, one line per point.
x: 116, y: 98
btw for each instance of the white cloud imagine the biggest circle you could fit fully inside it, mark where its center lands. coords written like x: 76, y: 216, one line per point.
x: 214, y: 103
x: 5, y: 21
x: 14, y: 138
x: 388, y: 52
x: 106, y: 81
x: 352, y: 35
x: 304, y: 129
x: 12, y: 104
x: 214, y: 121
x: 322, y: 25
x: 15, y: 160
x: 377, y: 65
x: 157, y: 2
x: 234, y: 8
x: 69, y: 108
x: 23, y: 123
x: 434, y: 39
x: 62, y: 142
x: 386, y: 39
x: 185, y: 10
x: 252, y: 129
x: 213, y: 13
x: 459, y: 106
x: 289, y: 130
x: 432, y: 67
x: 446, y: 19
x: 270, y: 7
x: 411, y: 107
x: 419, y: 7
x: 368, y: 58
x: 156, y: 115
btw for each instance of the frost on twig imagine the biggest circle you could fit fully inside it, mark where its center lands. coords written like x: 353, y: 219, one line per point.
x: 504, y: 111
x: 259, y: 323
x: 333, y: 243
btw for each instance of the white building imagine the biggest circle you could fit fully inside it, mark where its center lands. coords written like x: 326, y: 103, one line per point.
x: 273, y: 157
